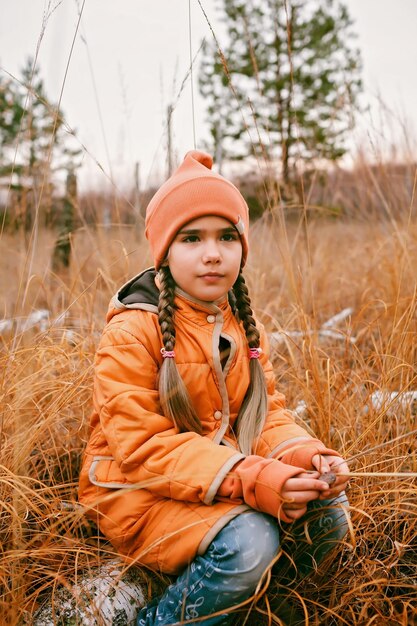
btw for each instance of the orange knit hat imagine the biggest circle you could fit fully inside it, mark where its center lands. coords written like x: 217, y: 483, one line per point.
x: 193, y: 191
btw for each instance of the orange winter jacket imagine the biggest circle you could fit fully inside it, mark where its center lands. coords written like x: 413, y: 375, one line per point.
x: 151, y: 489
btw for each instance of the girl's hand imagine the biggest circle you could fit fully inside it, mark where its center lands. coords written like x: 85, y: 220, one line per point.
x: 336, y: 465
x: 298, y: 491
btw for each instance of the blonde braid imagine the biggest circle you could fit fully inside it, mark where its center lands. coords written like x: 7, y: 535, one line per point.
x: 173, y: 395
x: 254, y: 408
x: 166, y: 308
x: 244, y: 308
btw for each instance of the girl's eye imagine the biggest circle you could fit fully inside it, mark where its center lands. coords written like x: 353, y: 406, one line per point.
x: 190, y: 239
x: 229, y: 237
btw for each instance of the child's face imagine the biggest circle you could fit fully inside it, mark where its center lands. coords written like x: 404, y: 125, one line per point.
x: 205, y: 257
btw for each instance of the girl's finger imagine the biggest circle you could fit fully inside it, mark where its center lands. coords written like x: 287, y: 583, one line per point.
x: 336, y: 490
x: 320, y: 463
x: 300, y: 497
x: 295, y: 514
x: 342, y: 468
x: 294, y: 506
x: 305, y: 484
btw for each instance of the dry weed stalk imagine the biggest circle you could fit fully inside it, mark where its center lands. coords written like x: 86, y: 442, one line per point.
x: 46, y: 396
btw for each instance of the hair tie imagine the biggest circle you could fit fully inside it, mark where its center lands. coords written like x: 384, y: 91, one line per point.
x: 167, y: 354
x: 255, y: 353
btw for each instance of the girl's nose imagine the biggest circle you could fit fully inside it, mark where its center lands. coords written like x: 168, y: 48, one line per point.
x: 211, y: 252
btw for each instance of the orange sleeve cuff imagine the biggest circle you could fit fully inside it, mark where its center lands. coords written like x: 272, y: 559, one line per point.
x: 258, y: 482
x: 231, y: 487
x: 301, y: 453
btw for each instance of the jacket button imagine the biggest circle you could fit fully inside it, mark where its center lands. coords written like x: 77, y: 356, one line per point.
x: 211, y: 319
x: 218, y: 415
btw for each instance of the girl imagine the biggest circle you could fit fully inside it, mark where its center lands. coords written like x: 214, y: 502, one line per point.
x: 194, y: 467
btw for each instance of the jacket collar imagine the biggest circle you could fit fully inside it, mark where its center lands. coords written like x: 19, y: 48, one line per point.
x: 197, y: 311
x: 141, y: 292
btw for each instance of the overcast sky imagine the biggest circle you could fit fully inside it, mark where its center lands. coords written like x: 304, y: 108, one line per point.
x: 131, y: 56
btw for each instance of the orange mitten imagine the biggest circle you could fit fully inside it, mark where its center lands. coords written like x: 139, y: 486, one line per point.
x: 301, y: 453
x: 259, y: 482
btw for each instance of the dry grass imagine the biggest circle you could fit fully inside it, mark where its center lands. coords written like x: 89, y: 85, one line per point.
x: 300, y: 275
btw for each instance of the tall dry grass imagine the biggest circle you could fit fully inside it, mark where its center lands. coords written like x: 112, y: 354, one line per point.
x: 300, y: 273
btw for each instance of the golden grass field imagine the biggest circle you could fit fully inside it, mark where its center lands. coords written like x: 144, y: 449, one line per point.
x: 301, y: 273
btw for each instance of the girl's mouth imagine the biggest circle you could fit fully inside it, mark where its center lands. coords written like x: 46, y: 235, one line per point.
x: 211, y: 277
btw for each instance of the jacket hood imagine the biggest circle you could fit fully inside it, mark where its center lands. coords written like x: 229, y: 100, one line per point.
x: 140, y: 292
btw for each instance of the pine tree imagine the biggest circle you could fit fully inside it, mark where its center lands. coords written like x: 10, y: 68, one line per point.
x: 294, y: 81
x: 34, y: 146
x: 11, y: 113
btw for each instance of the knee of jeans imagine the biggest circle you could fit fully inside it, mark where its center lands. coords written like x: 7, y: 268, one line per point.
x: 250, y: 542
x: 341, y: 518
x: 333, y: 517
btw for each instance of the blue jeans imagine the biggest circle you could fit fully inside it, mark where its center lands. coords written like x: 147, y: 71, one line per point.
x: 232, y: 566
